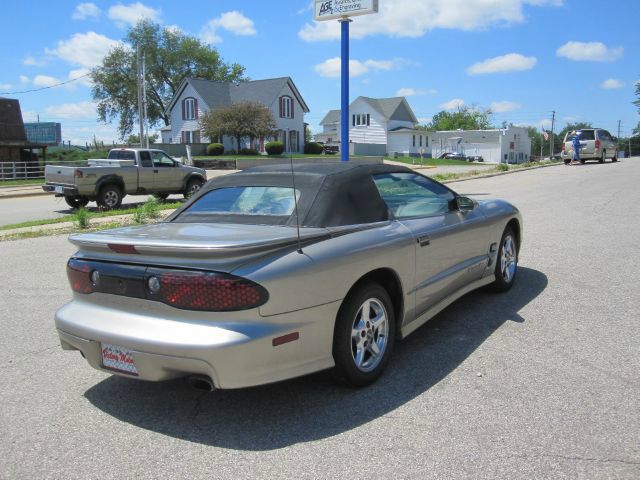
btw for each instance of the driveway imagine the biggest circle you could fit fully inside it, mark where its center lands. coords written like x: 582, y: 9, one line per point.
x: 541, y: 382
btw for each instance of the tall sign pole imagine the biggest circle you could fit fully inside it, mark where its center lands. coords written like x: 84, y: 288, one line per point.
x: 342, y: 10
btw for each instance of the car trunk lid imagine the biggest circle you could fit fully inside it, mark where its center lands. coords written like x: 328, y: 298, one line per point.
x: 196, y: 245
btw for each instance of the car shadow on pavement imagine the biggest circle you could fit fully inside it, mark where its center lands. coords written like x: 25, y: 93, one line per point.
x: 314, y: 407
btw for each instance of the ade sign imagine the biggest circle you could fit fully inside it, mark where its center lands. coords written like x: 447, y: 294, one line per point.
x: 335, y: 9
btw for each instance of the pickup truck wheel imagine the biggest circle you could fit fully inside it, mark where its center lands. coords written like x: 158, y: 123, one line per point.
x: 192, y: 187
x: 76, y: 202
x: 110, y: 197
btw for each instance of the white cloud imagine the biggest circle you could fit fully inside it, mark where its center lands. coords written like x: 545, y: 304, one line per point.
x: 24, y: 79
x: 85, y: 10
x: 411, y: 18
x: 84, y: 49
x: 505, y: 106
x: 234, y: 22
x: 454, y: 104
x: 424, y: 120
x: 412, y: 92
x: 589, y: 52
x: 331, y: 67
x: 611, y: 84
x: 5, y: 86
x: 80, y: 110
x: 131, y: 14
x: 512, y: 62
x: 34, y: 62
x: 45, y: 81
x: 80, y: 75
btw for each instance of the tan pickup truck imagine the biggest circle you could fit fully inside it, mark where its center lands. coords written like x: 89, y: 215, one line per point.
x: 125, y: 171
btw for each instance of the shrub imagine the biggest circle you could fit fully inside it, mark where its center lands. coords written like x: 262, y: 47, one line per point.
x: 313, y: 148
x: 503, y: 167
x: 138, y: 215
x: 215, y: 149
x: 82, y: 218
x: 274, y: 148
x: 151, y: 208
x: 248, y: 151
x: 232, y: 151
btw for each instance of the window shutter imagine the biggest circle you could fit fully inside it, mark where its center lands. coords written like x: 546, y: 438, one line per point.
x: 197, y: 135
x: 368, y: 119
x: 184, y: 113
x: 182, y: 136
x: 195, y: 109
x: 292, y: 115
x: 280, y: 103
x: 353, y: 121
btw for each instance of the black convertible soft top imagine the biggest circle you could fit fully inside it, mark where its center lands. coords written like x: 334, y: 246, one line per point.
x: 331, y: 194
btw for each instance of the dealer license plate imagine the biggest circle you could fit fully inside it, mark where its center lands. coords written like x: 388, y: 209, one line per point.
x: 118, y: 358
x: 59, y: 189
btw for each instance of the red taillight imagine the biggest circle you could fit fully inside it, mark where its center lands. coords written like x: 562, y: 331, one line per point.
x: 79, y: 275
x: 597, y: 144
x: 78, y: 174
x: 208, y: 291
x: 119, y: 248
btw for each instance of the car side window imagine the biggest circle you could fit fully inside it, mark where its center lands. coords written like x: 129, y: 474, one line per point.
x: 145, y: 159
x: 160, y: 159
x: 412, y: 195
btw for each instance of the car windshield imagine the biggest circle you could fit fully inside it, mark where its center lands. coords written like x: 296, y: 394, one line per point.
x: 584, y: 135
x: 247, y: 200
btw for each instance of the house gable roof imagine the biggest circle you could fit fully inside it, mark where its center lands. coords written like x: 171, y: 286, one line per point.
x: 330, y: 118
x: 11, y: 124
x: 219, y: 94
x: 395, y: 108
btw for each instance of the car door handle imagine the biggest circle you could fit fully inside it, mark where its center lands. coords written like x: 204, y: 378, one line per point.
x: 424, y: 240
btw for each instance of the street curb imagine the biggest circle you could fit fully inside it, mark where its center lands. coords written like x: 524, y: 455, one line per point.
x: 18, y: 195
x: 498, y: 174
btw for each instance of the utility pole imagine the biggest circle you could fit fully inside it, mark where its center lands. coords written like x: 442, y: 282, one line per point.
x: 553, y: 124
x: 140, y: 106
x: 618, y: 142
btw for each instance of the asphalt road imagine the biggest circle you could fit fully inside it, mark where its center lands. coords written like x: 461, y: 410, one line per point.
x: 23, y: 209
x: 541, y: 382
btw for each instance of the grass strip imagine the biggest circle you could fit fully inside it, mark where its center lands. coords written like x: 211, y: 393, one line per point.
x: 96, y: 214
x: 503, y: 167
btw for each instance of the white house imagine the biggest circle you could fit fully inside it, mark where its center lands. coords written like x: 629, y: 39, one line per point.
x: 505, y: 145
x: 194, y: 97
x: 377, y: 126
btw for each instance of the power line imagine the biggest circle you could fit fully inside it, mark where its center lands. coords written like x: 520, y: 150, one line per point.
x: 47, y: 88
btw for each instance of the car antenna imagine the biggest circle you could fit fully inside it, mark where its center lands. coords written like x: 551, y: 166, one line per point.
x: 295, y: 200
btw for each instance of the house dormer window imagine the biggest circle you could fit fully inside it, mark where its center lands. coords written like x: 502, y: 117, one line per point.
x: 189, y: 109
x: 361, y: 119
x: 286, y: 107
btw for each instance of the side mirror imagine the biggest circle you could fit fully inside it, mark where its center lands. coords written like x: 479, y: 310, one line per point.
x: 465, y: 204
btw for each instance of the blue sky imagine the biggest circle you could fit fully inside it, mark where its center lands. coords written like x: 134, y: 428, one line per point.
x: 522, y: 58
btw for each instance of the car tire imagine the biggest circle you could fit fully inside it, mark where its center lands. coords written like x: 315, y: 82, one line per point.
x: 506, y: 262
x: 110, y: 197
x: 193, y: 186
x: 161, y: 196
x: 365, y: 319
x: 76, y: 202
x: 582, y: 161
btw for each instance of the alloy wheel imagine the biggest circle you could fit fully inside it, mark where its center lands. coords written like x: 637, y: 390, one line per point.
x: 508, y: 259
x: 369, y: 335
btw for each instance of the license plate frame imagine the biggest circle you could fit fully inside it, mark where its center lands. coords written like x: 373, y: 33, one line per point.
x: 59, y: 189
x: 118, y: 359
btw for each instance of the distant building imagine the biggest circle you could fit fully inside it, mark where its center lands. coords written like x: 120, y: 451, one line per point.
x: 505, y: 145
x: 194, y: 97
x: 17, y: 159
x: 378, y: 126
x: 46, y: 133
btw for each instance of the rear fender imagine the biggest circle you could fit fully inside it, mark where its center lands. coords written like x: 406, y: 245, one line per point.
x: 110, y: 180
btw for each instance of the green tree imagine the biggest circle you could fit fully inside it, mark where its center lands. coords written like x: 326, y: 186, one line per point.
x: 135, y: 139
x: 170, y: 57
x: 243, y: 119
x: 465, y: 118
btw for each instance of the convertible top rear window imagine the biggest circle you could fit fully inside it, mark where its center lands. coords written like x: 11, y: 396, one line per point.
x: 245, y: 200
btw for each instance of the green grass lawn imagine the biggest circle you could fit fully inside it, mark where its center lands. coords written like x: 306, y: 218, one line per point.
x: 17, y: 183
x: 427, y: 161
x: 259, y: 157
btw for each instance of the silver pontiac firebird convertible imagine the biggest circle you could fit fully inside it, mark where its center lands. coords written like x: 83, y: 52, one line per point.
x: 268, y: 274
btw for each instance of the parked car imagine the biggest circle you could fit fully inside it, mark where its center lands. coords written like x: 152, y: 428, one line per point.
x: 475, y: 158
x: 330, y: 149
x: 125, y: 171
x: 254, y: 280
x: 456, y: 156
x: 595, y: 144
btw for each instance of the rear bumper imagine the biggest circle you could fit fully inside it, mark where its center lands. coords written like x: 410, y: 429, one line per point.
x: 234, y: 353
x: 61, y: 190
